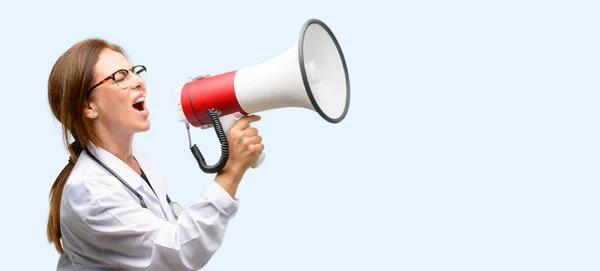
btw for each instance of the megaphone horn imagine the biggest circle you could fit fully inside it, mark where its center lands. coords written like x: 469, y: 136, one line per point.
x: 311, y: 74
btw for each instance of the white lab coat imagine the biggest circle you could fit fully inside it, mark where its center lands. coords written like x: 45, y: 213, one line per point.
x: 104, y: 227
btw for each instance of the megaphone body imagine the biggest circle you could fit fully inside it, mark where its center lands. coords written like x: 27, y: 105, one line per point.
x: 311, y: 74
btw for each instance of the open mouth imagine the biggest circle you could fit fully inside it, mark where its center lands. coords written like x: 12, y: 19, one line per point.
x: 139, y: 103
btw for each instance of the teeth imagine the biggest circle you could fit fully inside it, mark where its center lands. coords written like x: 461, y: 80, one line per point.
x: 140, y: 99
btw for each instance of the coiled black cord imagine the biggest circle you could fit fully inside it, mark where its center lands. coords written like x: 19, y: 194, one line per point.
x: 213, y: 114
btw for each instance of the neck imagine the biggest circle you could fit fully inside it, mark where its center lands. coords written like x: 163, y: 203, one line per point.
x: 119, y: 144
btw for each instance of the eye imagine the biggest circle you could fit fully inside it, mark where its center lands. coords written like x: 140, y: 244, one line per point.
x: 120, y: 76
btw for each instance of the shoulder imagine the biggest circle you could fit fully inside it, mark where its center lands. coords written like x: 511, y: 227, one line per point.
x: 87, y: 187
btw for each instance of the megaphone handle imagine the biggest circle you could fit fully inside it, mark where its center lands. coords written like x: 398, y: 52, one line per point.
x: 227, y: 123
x: 259, y: 160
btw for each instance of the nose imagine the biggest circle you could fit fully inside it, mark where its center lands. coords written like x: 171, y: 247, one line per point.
x: 136, y: 81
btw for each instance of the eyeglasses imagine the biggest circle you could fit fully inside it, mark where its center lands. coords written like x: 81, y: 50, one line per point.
x: 121, y: 77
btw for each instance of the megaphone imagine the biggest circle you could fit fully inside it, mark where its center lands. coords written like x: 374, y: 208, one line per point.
x: 311, y: 74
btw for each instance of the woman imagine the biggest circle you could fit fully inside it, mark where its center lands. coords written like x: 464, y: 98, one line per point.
x: 108, y: 206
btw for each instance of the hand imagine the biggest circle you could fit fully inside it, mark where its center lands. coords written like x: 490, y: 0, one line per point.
x: 245, y: 145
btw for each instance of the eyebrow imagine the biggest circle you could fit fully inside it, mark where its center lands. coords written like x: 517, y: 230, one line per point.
x: 118, y: 69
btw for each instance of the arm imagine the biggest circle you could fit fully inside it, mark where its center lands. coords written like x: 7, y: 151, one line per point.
x: 125, y: 235
x: 229, y: 179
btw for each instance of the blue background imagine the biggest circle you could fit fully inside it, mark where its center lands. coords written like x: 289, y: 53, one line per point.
x: 471, y: 141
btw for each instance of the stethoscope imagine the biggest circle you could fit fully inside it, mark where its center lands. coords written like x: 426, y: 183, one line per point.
x: 175, y: 207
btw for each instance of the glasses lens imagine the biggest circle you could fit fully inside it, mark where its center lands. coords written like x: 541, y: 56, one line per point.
x: 121, y: 79
x: 140, y: 71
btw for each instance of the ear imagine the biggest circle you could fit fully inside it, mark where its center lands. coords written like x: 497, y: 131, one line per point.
x: 90, y: 110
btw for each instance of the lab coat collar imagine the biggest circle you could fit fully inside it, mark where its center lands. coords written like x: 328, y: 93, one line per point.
x: 117, y: 165
x: 157, y: 197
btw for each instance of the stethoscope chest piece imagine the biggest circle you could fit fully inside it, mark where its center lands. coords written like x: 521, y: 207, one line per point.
x: 176, y: 208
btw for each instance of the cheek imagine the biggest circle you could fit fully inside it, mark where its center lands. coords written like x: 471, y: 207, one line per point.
x: 114, y: 103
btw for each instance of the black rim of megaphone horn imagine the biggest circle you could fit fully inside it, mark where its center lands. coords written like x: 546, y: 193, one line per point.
x: 305, y: 77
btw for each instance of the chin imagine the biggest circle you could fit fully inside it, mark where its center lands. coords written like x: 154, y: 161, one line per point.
x: 143, y: 127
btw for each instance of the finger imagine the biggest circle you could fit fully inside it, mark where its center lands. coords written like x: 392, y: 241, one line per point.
x: 250, y: 131
x: 238, y: 134
x: 244, y: 122
x: 248, y: 142
x: 258, y: 147
x: 254, y: 139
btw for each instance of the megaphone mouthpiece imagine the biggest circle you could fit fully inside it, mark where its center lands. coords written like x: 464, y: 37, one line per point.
x: 199, y: 95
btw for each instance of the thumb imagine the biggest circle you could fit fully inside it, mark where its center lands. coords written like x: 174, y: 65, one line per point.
x: 245, y: 121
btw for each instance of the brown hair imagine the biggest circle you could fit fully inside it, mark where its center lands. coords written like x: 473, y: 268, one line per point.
x: 70, y: 79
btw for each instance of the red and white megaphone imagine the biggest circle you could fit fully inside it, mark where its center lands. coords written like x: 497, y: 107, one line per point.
x: 312, y: 74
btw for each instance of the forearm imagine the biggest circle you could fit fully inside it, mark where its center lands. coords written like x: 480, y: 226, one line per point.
x: 229, y: 179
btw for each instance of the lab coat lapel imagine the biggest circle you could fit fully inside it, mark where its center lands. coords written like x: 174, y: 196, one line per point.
x: 156, y: 179
x: 132, y: 178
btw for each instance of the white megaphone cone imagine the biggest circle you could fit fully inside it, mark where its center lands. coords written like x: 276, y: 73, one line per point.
x: 311, y: 74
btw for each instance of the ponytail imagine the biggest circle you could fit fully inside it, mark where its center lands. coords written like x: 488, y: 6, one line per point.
x: 53, y: 228
x: 68, y: 94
